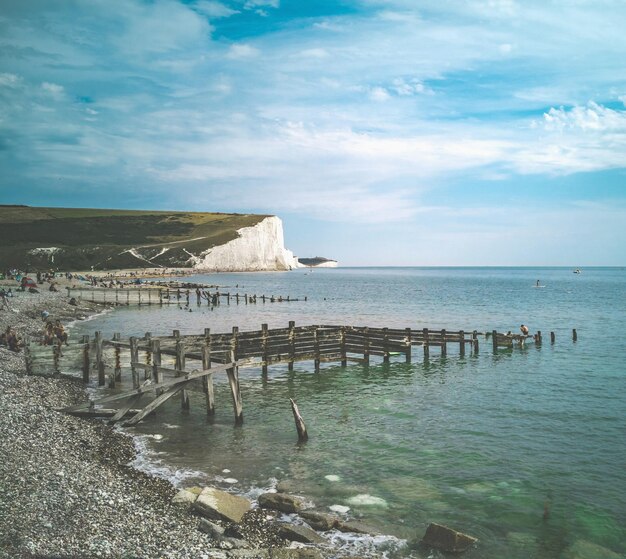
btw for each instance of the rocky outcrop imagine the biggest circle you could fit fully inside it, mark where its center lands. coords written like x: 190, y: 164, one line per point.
x: 317, y: 262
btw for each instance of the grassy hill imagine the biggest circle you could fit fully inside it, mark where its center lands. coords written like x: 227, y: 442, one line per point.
x: 78, y: 238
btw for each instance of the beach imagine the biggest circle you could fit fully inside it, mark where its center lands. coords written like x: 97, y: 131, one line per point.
x: 67, y: 489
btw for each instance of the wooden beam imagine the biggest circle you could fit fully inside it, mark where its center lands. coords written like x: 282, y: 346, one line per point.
x: 159, y: 400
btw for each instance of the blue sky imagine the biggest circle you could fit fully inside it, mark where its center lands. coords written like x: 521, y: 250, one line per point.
x: 382, y: 132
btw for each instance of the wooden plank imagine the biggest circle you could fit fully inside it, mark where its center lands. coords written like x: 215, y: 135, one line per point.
x: 158, y: 401
x: 125, y: 408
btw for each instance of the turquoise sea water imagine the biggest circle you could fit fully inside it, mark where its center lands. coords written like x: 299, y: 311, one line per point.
x: 483, y: 443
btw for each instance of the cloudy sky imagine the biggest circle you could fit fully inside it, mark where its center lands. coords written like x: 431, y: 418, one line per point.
x: 383, y: 132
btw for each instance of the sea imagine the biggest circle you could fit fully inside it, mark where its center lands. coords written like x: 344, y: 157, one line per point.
x: 524, y: 449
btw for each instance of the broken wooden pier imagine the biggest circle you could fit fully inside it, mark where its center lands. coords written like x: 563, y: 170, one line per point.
x: 157, y: 295
x: 163, y: 366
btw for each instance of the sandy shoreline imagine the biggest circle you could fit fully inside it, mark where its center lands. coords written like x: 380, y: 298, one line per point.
x: 66, y: 485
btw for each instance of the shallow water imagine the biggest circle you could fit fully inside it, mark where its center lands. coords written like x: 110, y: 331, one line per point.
x: 483, y: 443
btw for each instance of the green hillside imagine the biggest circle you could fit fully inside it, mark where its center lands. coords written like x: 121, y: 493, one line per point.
x: 78, y: 238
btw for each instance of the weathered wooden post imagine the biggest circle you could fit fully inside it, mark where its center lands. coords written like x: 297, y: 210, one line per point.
x: 149, y: 296
x: 56, y: 353
x: 366, y: 346
x: 147, y: 372
x: 574, y: 335
x: 475, y: 342
x: 552, y: 337
x: 385, y: 345
x: 118, y: 365
x: 409, y: 347
x: 494, y: 340
x: 86, y: 361
x: 139, y: 293
x: 342, y: 346
x: 127, y: 297
x: 180, y: 368
x: 233, y: 380
x: 245, y: 297
x: 292, y: 345
x: 444, y: 343
x: 264, y: 348
x: 539, y: 339
x: 425, y: 342
x: 234, y: 342
x: 160, y: 297
x: 117, y: 298
x: 316, y: 343
x: 155, y: 346
x: 263, y: 298
x: 462, y: 343
x: 28, y: 358
x: 207, y: 380
x: 134, y: 358
x: 237, y: 297
x: 300, y: 426
x: 99, y: 361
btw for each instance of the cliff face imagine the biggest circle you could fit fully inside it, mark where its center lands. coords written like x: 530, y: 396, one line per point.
x: 258, y: 248
x: 101, y: 239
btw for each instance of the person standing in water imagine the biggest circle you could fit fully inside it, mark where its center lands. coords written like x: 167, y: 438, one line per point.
x: 537, y: 283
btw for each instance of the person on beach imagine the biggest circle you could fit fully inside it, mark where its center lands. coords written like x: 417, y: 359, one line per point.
x: 4, y: 301
x: 524, y: 330
x: 60, y: 332
x: 48, y: 334
x: 12, y: 340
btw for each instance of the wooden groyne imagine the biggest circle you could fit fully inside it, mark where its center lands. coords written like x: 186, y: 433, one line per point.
x: 170, y: 296
x: 167, y: 365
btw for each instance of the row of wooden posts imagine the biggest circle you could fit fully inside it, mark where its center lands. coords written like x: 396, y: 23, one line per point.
x: 227, y: 352
x: 166, y: 296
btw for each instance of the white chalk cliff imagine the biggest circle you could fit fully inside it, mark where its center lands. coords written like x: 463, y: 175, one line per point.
x: 258, y: 248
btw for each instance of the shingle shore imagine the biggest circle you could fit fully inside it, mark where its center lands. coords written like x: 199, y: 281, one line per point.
x: 66, y: 487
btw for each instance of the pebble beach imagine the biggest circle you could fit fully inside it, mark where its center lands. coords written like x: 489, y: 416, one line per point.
x: 67, y: 488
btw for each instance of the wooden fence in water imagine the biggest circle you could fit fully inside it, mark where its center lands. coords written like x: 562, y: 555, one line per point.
x: 168, y: 365
x: 170, y: 296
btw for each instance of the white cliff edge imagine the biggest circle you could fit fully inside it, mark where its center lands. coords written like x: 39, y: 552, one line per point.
x: 258, y: 248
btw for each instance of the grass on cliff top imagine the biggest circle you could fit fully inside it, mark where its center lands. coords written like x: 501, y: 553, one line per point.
x: 74, y: 227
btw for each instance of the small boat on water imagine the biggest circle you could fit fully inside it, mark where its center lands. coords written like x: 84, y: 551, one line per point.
x: 577, y: 271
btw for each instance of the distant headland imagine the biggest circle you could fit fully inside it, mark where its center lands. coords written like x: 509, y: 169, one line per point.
x: 107, y: 239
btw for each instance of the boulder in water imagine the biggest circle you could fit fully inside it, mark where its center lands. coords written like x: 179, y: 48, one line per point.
x: 447, y: 539
x: 280, y: 501
x: 220, y: 505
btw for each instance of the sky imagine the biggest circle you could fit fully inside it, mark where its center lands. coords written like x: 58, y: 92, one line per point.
x: 382, y: 132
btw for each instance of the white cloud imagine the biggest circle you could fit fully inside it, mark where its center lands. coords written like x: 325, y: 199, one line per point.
x: 379, y: 94
x: 53, y: 89
x: 9, y: 80
x: 214, y: 9
x: 592, y: 117
x: 412, y: 87
x: 242, y: 50
x: 315, y: 53
x: 251, y: 4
